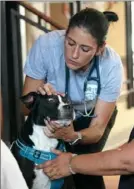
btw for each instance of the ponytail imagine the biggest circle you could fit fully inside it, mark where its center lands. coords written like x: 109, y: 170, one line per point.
x: 111, y: 16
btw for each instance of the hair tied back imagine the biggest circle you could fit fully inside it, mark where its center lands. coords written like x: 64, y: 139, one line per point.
x: 111, y: 16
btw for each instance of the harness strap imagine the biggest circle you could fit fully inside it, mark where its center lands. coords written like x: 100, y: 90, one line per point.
x: 37, y: 156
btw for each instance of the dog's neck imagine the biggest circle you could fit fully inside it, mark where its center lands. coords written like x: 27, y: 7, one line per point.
x: 26, y: 131
x: 40, y: 140
x: 33, y: 135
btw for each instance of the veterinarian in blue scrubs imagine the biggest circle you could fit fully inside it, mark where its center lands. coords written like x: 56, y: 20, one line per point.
x: 79, y: 63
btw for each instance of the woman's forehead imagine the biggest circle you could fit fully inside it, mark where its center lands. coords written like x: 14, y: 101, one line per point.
x: 81, y: 36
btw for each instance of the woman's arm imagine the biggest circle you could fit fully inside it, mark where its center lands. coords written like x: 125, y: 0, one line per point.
x: 94, y: 132
x: 112, y: 162
x: 111, y: 87
x: 36, y: 66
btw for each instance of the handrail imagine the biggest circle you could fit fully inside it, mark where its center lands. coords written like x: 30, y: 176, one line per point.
x: 41, y: 15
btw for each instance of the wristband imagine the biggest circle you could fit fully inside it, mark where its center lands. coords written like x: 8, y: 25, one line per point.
x: 77, y: 140
x: 70, y: 167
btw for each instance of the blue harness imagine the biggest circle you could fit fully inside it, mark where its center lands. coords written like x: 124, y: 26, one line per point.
x: 39, y: 157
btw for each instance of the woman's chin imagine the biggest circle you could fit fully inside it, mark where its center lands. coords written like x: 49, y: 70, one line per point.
x: 72, y: 67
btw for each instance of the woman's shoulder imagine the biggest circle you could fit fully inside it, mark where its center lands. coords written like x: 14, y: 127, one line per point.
x: 110, y: 59
x: 111, y: 55
x: 110, y: 64
x: 52, y: 39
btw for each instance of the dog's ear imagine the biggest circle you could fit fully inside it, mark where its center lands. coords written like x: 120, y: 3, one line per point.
x: 29, y: 99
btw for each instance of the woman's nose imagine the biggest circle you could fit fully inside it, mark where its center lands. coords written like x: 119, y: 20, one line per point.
x: 75, y: 54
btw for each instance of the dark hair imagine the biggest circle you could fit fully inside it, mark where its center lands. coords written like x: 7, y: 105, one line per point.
x: 94, y: 21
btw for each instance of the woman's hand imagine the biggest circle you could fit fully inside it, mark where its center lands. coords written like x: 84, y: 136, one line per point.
x: 54, y: 130
x: 58, y: 167
x: 48, y: 89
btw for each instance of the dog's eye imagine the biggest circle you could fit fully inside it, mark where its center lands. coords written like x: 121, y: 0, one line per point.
x: 51, y: 100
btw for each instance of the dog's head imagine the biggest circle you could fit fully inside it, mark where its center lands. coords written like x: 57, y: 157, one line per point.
x: 58, y: 108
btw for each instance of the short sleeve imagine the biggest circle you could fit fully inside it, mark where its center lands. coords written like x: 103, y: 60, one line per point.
x: 37, y: 59
x: 111, y: 88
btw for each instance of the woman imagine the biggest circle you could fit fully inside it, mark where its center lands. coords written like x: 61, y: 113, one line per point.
x: 79, y: 63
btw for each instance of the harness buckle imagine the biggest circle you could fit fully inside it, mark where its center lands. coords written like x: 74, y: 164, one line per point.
x: 37, y: 154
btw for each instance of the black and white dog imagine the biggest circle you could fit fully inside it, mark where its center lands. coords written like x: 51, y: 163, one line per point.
x: 32, y: 146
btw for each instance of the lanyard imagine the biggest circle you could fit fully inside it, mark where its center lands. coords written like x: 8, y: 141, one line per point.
x: 95, y: 67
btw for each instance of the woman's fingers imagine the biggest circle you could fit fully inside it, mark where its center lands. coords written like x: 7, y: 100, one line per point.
x: 55, y: 125
x: 46, y: 89
x: 48, y: 133
x: 54, y: 130
x: 55, y: 151
x: 50, y: 89
x: 51, y: 126
x: 41, y: 91
x: 51, y: 129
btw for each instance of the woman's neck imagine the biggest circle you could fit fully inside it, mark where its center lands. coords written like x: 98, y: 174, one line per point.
x: 85, y: 68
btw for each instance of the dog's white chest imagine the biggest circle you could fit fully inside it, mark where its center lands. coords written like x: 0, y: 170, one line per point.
x: 41, y: 181
x: 41, y: 141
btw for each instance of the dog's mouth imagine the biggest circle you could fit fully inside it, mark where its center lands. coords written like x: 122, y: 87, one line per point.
x: 65, y: 117
x: 65, y: 114
x: 63, y: 122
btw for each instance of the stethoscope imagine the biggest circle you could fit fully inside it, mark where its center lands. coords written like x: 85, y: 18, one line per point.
x: 86, y: 103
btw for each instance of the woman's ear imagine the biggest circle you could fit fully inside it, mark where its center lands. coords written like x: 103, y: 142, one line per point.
x: 101, y: 49
x: 29, y: 99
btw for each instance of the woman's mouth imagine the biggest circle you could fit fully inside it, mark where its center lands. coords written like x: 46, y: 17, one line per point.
x: 72, y: 62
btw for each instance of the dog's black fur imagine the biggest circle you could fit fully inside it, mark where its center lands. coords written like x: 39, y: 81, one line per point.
x: 41, y: 107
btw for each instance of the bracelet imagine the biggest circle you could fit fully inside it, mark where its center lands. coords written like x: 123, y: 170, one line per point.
x: 77, y: 140
x: 70, y: 167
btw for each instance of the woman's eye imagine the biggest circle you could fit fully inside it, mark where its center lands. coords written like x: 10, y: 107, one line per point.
x: 85, y: 49
x: 71, y: 43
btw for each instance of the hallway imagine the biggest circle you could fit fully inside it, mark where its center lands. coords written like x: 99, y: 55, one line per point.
x: 111, y: 182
